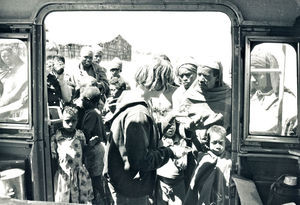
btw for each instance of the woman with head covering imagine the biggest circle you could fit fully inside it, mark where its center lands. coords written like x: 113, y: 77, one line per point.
x: 265, y: 103
x: 14, y: 80
x: 208, y: 100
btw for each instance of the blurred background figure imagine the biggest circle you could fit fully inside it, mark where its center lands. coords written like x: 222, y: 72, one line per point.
x: 115, y: 69
x: 98, y: 55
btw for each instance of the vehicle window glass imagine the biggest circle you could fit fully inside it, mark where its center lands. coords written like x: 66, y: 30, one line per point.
x: 273, y: 90
x: 14, y: 103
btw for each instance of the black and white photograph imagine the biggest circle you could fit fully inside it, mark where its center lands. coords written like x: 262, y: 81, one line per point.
x: 150, y: 102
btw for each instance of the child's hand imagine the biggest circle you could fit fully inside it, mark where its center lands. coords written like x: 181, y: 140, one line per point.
x: 94, y: 140
x: 213, y: 156
x: 181, y: 163
x: 180, y: 151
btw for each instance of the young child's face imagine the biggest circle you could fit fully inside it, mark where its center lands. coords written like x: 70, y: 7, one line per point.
x: 217, y: 143
x: 69, y: 121
x: 171, y: 131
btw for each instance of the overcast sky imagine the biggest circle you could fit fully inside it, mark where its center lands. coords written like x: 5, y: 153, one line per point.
x: 173, y: 33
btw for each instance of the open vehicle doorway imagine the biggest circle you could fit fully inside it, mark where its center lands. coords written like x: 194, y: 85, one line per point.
x: 131, y: 37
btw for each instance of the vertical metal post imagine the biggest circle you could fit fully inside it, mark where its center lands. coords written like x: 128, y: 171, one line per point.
x: 298, y: 90
x: 37, y: 155
x: 236, y: 79
x: 41, y: 161
x: 281, y: 92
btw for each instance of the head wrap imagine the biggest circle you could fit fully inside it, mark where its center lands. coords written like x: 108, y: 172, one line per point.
x: 188, y: 63
x: 216, y: 65
x: 261, y: 59
x: 265, y: 60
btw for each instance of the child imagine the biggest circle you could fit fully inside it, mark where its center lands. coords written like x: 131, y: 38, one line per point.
x: 210, y: 181
x: 171, y: 176
x: 72, y: 181
x: 94, y: 132
x: 116, y: 87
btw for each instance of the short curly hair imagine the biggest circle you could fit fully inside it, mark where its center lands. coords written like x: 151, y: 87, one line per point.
x: 155, y: 74
x: 215, y: 129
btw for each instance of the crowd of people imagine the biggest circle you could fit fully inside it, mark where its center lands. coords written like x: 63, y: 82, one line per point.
x: 163, y: 141
x: 118, y: 144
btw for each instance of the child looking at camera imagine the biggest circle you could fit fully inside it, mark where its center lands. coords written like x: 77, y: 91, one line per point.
x: 72, y: 182
x: 210, y: 180
x: 171, y: 176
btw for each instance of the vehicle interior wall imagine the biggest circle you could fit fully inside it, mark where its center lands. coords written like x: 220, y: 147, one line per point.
x: 17, y: 155
x: 265, y: 170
